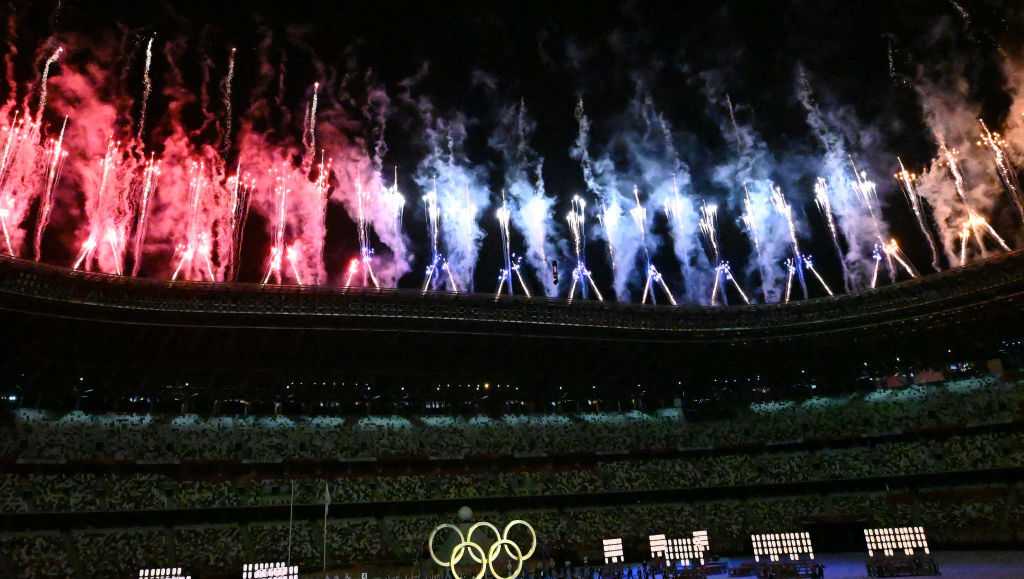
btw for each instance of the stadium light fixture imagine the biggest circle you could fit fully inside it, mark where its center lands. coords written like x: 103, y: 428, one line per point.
x: 613, y: 552
x: 775, y: 545
x: 277, y: 570
x: 891, y: 539
x: 163, y: 573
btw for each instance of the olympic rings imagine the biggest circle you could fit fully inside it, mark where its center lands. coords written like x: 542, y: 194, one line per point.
x: 495, y: 550
x: 457, y: 556
x: 469, y: 537
x: 478, y: 554
x: 430, y: 542
x: 533, y: 535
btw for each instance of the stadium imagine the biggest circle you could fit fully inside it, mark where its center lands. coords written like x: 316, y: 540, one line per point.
x: 530, y: 296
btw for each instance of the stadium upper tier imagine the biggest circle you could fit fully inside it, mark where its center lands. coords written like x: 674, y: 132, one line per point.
x: 934, y: 300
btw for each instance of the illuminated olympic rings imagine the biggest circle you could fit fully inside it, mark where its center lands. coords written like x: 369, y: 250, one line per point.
x: 478, y: 554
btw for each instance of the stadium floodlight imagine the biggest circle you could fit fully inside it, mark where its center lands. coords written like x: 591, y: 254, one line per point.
x: 685, y: 550
x: 775, y: 545
x: 888, y: 540
x: 659, y: 545
x: 613, y: 552
x: 278, y: 570
x: 163, y: 573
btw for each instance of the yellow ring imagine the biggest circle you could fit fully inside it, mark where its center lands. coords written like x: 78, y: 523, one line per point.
x: 430, y: 543
x: 533, y: 534
x: 457, y: 556
x: 495, y: 550
x: 469, y: 538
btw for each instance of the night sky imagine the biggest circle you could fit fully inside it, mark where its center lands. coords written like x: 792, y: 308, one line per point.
x: 477, y: 59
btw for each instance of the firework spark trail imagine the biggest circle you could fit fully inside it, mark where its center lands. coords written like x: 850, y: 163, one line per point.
x: 951, y: 157
x: 809, y: 264
x: 504, y: 216
x: 1007, y: 172
x: 750, y: 226
x: 437, y: 261
x: 228, y: 81
x: 577, y: 219
x: 609, y: 218
x: 196, y: 243
x: 43, y: 82
x: 293, y: 254
x: 150, y: 178
x: 108, y: 212
x: 708, y: 225
x: 786, y: 211
x: 241, y: 196
x: 790, y: 271
x: 54, y: 167
x: 12, y: 145
x: 311, y: 116
x: 529, y: 203
x: 277, y: 250
x: 28, y: 169
x: 974, y: 220
x: 364, y: 262
x: 978, y: 222
x: 876, y: 254
x: 722, y: 270
x: 683, y: 219
x: 147, y: 88
x: 600, y: 180
x: 906, y: 180
x: 821, y: 198
x: 394, y: 203
x: 893, y: 249
x: 868, y: 192
x: 965, y: 234
x: 654, y: 279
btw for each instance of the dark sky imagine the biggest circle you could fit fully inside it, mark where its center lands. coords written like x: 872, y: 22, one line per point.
x: 476, y: 58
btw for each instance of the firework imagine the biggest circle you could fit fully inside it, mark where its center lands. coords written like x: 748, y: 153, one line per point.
x: 809, y: 264
x: 1007, y: 172
x: 876, y: 255
x: 108, y: 209
x: 194, y: 252
x: 977, y: 222
x: 821, y: 198
x: 43, y: 82
x: 150, y: 178
x: 56, y: 156
x: 654, y: 278
x: 868, y: 192
x: 723, y: 271
x: 786, y: 211
x: 241, y: 194
x: 893, y: 249
x: 512, y: 262
x: 708, y: 225
x: 906, y: 180
x: 577, y: 219
x: 438, y: 264
x: 393, y: 200
x: 228, y: 81
x: 790, y: 271
x: 750, y: 226
x: 277, y: 250
x: 147, y: 88
x: 364, y: 262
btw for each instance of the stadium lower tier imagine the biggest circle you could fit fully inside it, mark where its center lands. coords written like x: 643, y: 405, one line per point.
x: 955, y: 518
x: 33, y: 435
x: 109, y: 488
